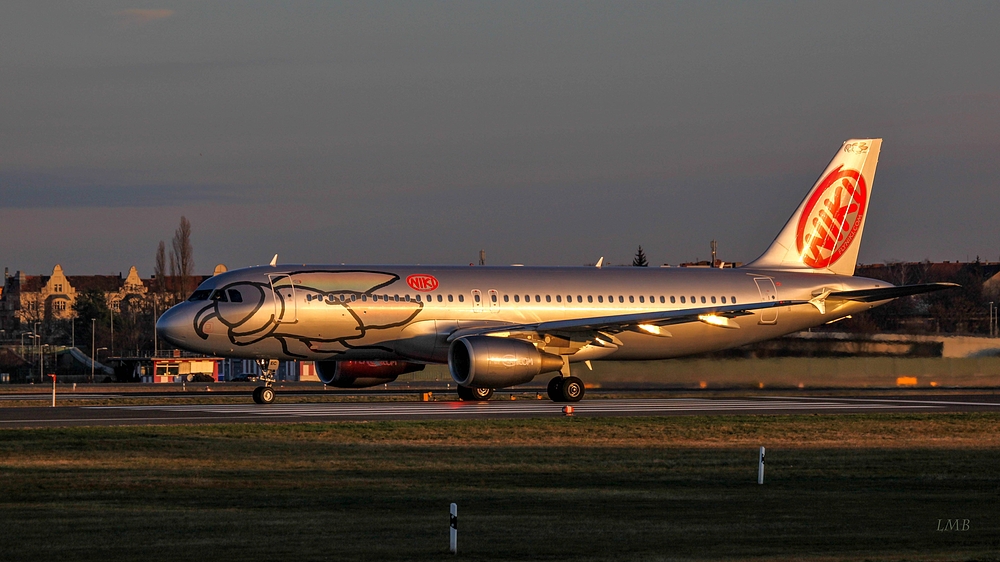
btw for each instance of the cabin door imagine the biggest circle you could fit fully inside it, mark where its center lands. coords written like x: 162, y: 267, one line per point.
x: 768, y: 293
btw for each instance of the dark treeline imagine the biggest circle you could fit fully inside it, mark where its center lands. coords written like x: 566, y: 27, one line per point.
x: 964, y: 310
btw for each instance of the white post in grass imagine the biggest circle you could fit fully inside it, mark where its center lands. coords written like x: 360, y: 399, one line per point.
x: 454, y: 528
x: 760, y: 467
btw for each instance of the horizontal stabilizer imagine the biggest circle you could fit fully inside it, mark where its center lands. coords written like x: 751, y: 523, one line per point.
x: 886, y: 293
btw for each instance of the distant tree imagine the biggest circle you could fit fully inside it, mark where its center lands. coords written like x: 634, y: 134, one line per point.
x: 640, y: 259
x: 182, y: 258
x: 91, y: 304
x: 160, y: 270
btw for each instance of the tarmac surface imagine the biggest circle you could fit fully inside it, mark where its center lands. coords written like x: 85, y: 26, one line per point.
x: 66, y: 416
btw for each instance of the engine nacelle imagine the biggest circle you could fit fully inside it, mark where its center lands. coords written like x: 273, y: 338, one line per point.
x: 489, y: 362
x: 361, y: 374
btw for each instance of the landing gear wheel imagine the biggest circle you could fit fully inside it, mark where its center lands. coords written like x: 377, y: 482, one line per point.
x: 256, y: 395
x: 482, y: 394
x: 554, y: 389
x: 474, y: 394
x: 267, y: 395
x: 572, y: 389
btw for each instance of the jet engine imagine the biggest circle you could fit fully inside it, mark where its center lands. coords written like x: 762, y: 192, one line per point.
x: 360, y: 374
x: 489, y: 362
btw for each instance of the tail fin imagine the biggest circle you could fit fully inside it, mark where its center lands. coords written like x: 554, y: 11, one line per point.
x: 824, y: 233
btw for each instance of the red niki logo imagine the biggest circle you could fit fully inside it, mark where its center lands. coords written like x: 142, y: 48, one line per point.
x: 831, y: 218
x: 422, y: 282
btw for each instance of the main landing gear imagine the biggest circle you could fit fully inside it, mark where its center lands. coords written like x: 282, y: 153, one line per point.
x: 265, y: 394
x: 566, y: 389
x: 474, y: 394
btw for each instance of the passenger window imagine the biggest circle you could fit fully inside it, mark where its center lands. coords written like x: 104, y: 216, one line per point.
x: 493, y: 297
x: 548, y: 298
x: 364, y: 298
x: 579, y: 298
x: 600, y: 298
x: 558, y: 298
x: 703, y: 299
x: 538, y: 298
x: 418, y: 298
x: 506, y: 298
x: 732, y: 299
x: 461, y: 298
x: 642, y: 299
x: 569, y: 298
x: 475, y: 297
x: 723, y: 300
x: 590, y: 298
x: 693, y: 300
x: 662, y: 300
x: 652, y: 299
x: 621, y: 298
x: 440, y: 298
x: 354, y: 298
x: 451, y: 298
x: 235, y: 296
x: 673, y: 300
x: 682, y: 299
x: 713, y: 300
x: 517, y: 298
x: 631, y: 298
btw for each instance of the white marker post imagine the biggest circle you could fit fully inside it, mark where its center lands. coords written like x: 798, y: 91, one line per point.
x: 454, y: 528
x: 760, y: 467
x: 53, y: 390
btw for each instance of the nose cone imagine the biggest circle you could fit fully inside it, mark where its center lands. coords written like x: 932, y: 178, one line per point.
x: 176, y: 326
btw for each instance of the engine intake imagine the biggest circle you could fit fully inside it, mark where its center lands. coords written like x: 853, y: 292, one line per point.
x: 489, y: 362
x: 361, y: 374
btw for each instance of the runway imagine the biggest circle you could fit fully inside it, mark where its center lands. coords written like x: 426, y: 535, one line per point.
x: 496, y: 409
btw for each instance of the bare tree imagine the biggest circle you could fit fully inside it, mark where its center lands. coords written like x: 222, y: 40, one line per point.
x: 160, y: 270
x: 182, y: 257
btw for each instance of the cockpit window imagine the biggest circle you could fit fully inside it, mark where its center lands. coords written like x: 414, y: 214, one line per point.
x: 200, y: 295
x: 235, y: 296
x: 220, y: 296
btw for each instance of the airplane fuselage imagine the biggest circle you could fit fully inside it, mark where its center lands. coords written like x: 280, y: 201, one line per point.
x: 409, y: 312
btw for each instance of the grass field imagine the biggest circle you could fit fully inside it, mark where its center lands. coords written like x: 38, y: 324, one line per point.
x: 837, y: 487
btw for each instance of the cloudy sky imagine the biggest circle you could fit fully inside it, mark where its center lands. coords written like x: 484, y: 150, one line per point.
x: 542, y: 132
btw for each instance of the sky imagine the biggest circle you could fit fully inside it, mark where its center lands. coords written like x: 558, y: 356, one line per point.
x: 546, y: 133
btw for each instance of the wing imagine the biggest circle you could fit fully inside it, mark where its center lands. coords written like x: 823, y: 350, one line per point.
x: 886, y: 293
x: 601, y: 329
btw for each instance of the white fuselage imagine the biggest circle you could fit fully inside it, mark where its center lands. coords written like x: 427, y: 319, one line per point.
x: 409, y: 312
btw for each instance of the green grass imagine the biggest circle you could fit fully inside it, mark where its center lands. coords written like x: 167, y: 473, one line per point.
x: 837, y: 487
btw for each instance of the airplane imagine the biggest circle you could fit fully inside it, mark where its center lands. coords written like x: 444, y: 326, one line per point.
x: 497, y: 327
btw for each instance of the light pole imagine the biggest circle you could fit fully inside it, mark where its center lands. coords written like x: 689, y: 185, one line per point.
x: 93, y: 342
x: 92, y: 363
x: 32, y: 334
x: 156, y: 312
x: 112, y: 311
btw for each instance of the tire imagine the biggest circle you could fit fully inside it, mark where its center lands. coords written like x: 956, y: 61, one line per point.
x: 464, y: 393
x: 256, y: 395
x: 554, y: 389
x: 482, y: 394
x: 572, y: 389
x: 266, y: 395
x: 474, y: 394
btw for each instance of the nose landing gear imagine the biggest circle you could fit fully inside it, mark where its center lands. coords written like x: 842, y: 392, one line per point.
x: 265, y: 394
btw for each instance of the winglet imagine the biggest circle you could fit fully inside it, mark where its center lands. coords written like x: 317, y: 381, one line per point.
x: 599, y: 262
x: 274, y: 260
